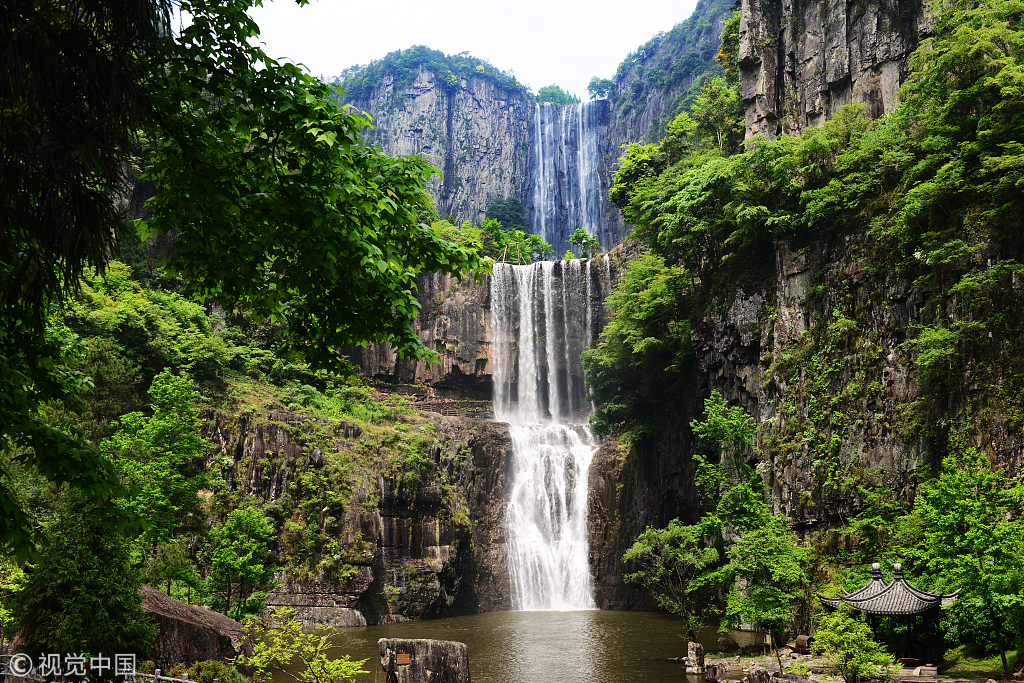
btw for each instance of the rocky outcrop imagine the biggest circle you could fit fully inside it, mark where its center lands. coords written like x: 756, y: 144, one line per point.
x: 189, y: 634
x: 454, y: 321
x: 478, y: 135
x: 407, y: 660
x: 816, y: 354
x: 410, y: 550
x: 800, y: 61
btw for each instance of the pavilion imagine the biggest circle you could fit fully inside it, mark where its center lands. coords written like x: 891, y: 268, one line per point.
x: 899, y: 599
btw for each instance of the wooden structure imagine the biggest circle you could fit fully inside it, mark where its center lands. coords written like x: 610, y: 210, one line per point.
x: 879, y: 599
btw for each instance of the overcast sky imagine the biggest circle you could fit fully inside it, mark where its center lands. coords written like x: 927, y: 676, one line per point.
x: 541, y: 41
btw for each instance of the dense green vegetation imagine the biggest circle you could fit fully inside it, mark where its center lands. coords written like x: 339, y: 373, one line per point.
x: 298, y: 240
x: 274, y: 207
x: 662, y: 65
x: 403, y: 66
x: 930, y: 193
x: 552, y: 93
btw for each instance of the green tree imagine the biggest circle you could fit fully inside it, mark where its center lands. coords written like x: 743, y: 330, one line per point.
x: 718, y: 113
x: 846, y: 641
x: 767, y: 576
x: 971, y: 514
x: 83, y: 593
x: 587, y: 243
x: 508, y: 211
x: 281, y: 646
x: 160, y: 457
x: 278, y: 209
x: 600, y: 88
x: 74, y: 93
x: 241, y: 570
x: 552, y: 93
x: 648, y: 338
x: 282, y: 213
x: 670, y: 561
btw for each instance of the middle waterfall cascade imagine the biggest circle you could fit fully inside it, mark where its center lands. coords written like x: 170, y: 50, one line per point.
x: 567, y: 190
x: 543, y: 317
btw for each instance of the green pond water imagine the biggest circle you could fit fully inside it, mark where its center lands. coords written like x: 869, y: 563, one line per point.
x: 589, y: 646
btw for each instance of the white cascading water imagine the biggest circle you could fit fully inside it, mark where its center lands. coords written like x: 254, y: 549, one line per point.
x: 542, y: 320
x: 567, y: 191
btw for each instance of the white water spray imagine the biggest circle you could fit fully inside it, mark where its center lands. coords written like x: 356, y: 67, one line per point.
x: 541, y: 322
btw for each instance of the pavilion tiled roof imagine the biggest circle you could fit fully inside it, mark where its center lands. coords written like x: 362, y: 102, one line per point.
x: 898, y: 597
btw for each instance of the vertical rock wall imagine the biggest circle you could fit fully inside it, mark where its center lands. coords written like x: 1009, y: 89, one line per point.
x: 477, y: 135
x: 801, y: 60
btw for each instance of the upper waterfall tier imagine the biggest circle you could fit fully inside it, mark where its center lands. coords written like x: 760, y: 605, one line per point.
x: 565, y: 173
x: 544, y: 316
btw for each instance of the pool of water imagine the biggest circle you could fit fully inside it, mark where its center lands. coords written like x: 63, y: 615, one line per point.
x: 589, y: 646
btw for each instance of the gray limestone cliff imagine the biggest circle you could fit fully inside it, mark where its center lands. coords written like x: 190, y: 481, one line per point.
x: 478, y: 135
x: 455, y: 322
x: 800, y: 61
x: 814, y: 350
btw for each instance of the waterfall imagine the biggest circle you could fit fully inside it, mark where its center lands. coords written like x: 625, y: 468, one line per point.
x: 567, y: 189
x: 542, y: 319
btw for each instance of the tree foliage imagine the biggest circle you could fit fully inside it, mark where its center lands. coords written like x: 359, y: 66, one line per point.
x: 281, y: 212
x: 508, y: 211
x: 83, y: 593
x: 974, y: 530
x: 647, y: 336
x: 242, y: 570
x: 600, y: 88
x: 587, y: 244
x: 287, y: 642
x: 553, y: 93
x: 846, y: 641
x: 277, y: 210
x: 669, y: 561
x: 160, y: 456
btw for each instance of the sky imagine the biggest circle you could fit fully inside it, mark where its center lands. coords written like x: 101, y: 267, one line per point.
x: 541, y: 41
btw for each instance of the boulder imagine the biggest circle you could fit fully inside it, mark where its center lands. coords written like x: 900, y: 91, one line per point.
x: 694, y: 658
x: 190, y: 634
x: 407, y: 660
x: 727, y: 644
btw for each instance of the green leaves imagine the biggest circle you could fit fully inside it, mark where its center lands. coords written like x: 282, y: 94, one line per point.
x: 848, y: 644
x: 974, y: 532
x: 241, y: 572
x: 287, y: 642
x: 669, y: 562
x: 280, y: 211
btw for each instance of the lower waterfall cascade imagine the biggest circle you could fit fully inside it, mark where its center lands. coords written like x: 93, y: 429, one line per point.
x: 543, y: 317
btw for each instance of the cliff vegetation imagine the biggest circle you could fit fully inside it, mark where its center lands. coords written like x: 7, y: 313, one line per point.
x: 882, y: 378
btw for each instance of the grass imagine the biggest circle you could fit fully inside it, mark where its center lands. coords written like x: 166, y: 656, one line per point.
x: 964, y: 664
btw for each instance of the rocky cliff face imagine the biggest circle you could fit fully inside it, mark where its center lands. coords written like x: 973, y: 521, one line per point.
x: 410, y: 548
x: 478, y: 135
x: 455, y: 321
x: 815, y: 353
x: 800, y: 61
